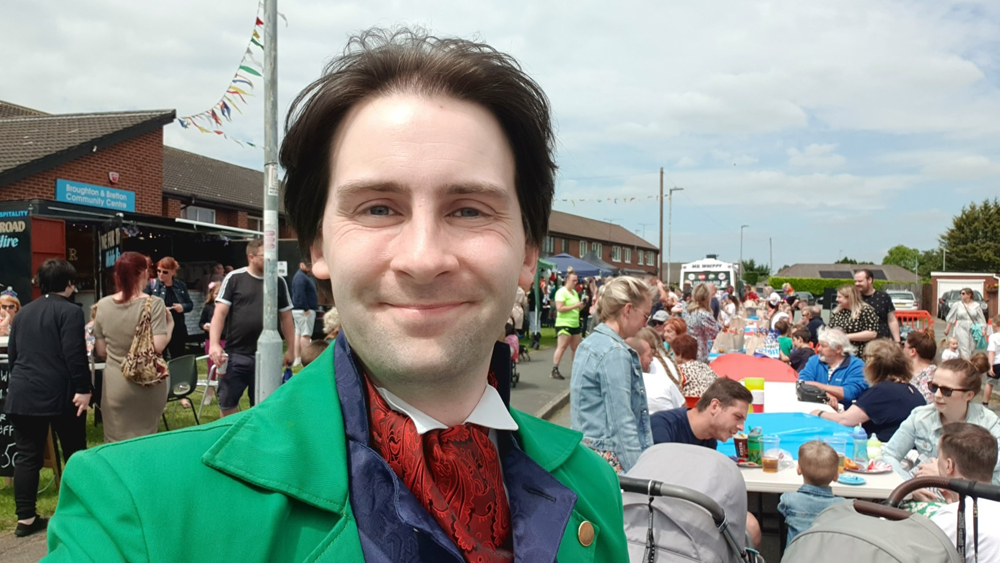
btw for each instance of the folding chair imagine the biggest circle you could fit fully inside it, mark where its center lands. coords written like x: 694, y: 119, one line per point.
x: 183, y: 382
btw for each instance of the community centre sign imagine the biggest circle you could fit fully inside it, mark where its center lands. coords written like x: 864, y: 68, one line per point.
x: 94, y: 196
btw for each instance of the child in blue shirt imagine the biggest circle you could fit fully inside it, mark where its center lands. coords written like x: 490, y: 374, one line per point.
x: 818, y: 468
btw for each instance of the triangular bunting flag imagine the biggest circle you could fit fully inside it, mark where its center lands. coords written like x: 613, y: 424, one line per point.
x: 249, y: 69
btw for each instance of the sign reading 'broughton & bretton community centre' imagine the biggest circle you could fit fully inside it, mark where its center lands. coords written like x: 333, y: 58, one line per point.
x: 94, y: 196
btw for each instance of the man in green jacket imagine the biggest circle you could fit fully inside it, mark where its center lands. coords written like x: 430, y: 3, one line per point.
x: 420, y: 178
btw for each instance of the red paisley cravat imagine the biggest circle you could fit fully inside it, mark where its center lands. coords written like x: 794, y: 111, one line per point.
x: 454, y: 473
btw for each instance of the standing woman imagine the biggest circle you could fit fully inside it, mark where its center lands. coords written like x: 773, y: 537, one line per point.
x: 701, y: 323
x: 730, y: 308
x: 568, y: 305
x: 961, y: 317
x: 174, y: 294
x: 607, y: 393
x: 855, y: 317
x: 129, y: 409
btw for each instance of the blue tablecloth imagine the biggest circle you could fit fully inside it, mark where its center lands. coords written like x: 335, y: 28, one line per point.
x: 794, y: 429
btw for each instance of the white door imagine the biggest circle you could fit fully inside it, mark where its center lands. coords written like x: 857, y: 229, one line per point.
x: 946, y: 285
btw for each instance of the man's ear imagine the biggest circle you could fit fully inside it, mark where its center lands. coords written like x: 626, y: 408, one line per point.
x: 530, y: 266
x: 320, y: 269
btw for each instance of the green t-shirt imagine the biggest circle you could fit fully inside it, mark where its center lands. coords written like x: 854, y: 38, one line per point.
x: 785, y: 343
x: 568, y: 298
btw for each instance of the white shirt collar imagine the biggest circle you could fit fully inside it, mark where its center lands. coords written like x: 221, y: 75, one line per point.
x: 491, y: 412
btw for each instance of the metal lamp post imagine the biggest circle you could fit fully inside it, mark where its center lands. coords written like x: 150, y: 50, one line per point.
x: 670, y: 228
x: 741, y: 254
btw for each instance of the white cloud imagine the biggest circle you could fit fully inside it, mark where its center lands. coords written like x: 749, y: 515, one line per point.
x: 816, y: 156
x: 685, y: 162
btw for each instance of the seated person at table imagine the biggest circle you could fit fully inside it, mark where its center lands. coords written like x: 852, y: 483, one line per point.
x: 695, y: 376
x: 967, y: 451
x: 784, y: 328
x: 801, y: 351
x: 818, y: 468
x: 833, y: 368
x: 658, y: 373
x: 955, y: 383
x: 889, y: 398
x: 718, y: 415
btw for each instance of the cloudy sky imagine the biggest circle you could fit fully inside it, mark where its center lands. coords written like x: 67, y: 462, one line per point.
x: 834, y: 129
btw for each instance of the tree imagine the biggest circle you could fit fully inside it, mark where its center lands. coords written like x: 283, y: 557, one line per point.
x: 973, y: 241
x: 846, y: 260
x: 753, y: 272
x: 901, y: 255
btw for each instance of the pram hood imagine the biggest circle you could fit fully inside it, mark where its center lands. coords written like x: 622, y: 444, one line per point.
x: 683, y: 531
x: 841, y: 530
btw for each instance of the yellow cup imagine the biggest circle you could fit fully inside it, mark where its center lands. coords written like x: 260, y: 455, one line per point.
x: 754, y: 383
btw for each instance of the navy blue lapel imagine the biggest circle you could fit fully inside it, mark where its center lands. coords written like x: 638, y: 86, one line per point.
x: 394, y: 527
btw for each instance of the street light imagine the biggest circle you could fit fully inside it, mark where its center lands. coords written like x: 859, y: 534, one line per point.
x: 670, y: 225
x: 741, y: 254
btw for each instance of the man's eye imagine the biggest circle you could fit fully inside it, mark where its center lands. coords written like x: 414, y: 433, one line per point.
x: 379, y: 210
x: 468, y: 212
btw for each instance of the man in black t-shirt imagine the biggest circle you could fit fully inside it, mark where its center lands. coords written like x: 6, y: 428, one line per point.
x: 888, y: 326
x: 239, y: 309
x: 718, y: 415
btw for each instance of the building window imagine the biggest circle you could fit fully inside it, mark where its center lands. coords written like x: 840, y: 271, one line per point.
x: 200, y: 214
x: 638, y: 259
x: 616, y: 254
x: 583, y: 248
x: 549, y: 245
x: 564, y: 246
x: 255, y: 223
x: 628, y: 255
x: 598, y: 249
x: 650, y: 256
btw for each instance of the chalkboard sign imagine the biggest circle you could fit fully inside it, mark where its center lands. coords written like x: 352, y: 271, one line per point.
x: 6, y: 427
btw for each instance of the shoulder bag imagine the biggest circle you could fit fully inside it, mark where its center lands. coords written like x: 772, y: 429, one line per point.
x: 977, y: 330
x: 142, y: 364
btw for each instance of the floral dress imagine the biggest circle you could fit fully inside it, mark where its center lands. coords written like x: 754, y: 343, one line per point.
x: 867, y: 319
x: 704, y: 328
x: 921, y: 379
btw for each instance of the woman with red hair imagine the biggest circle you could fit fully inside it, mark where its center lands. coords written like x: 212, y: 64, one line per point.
x: 129, y: 409
x: 174, y: 294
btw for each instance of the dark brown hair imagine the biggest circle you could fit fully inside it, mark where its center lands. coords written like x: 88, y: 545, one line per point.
x: 971, y: 371
x: 802, y: 333
x: 972, y: 448
x: 782, y: 326
x: 727, y: 391
x: 884, y: 361
x: 685, y: 346
x: 922, y: 342
x: 378, y: 62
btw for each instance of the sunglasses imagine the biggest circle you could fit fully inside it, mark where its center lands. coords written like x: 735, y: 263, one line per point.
x: 8, y: 307
x: 946, y: 391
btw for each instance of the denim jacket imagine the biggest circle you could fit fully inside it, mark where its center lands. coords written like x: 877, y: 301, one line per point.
x: 922, y: 431
x: 608, y: 398
x: 157, y: 289
x: 802, y: 507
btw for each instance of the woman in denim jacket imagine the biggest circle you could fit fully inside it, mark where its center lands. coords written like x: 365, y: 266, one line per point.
x: 607, y: 395
x: 954, y: 384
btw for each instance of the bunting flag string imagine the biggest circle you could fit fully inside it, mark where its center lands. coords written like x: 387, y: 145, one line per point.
x: 613, y: 200
x: 240, y: 88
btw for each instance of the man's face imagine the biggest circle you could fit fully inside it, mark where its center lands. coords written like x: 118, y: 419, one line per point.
x: 827, y: 352
x: 255, y: 261
x: 645, y: 355
x: 424, y: 227
x: 727, y: 421
x: 219, y: 269
x: 862, y: 282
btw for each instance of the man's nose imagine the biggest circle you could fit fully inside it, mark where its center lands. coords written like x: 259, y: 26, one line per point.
x: 424, y: 248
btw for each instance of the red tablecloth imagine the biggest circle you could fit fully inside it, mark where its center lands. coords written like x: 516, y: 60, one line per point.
x: 739, y: 366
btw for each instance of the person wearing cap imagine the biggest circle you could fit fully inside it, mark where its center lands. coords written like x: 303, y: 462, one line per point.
x: 773, y: 308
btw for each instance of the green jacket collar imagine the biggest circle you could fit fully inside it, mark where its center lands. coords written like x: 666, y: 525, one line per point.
x: 294, y: 442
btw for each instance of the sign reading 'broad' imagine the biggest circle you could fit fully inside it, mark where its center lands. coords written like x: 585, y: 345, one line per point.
x: 94, y: 196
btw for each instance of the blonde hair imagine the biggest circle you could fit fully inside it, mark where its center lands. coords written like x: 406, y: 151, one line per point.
x: 701, y: 298
x: 11, y: 300
x: 619, y: 292
x: 656, y: 343
x: 855, y: 303
x: 331, y: 323
x: 818, y: 462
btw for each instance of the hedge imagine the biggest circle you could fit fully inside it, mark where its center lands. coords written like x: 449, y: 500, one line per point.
x: 817, y: 285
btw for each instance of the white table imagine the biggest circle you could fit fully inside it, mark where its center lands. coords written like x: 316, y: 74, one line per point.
x: 779, y: 396
x: 876, y: 486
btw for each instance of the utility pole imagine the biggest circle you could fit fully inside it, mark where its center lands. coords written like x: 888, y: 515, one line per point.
x: 659, y: 265
x: 770, y: 254
x: 740, y: 269
x: 944, y: 257
x: 670, y: 227
x: 269, y: 354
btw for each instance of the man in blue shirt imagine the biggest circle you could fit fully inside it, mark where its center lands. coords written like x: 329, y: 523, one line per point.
x: 718, y: 415
x: 833, y: 368
x: 305, y: 302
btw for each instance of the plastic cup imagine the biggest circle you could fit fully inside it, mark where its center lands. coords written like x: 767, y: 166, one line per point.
x: 758, y: 400
x: 839, y: 445
x: 220, y: 368
x: 742, y: 447
x: 770, y: 454
x: 754, y: 383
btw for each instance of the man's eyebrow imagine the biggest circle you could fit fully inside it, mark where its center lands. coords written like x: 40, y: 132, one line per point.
x: 469, y: 188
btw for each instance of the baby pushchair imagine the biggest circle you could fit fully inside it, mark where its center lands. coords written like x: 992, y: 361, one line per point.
x: 873, y: 533
x: 685, y: 503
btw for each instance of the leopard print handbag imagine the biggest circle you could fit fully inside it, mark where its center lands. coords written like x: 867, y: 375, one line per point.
x: 142, y: 364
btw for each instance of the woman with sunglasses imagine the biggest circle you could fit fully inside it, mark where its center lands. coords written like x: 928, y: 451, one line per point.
x: 961, y: 317
x: 954, y: 384
x: 889, y: 399
x: 174, y: 294
x: 9, y: 306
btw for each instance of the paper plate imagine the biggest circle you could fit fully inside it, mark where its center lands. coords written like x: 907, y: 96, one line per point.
x: 853, y: 480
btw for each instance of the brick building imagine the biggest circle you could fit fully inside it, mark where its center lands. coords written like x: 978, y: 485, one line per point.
x: 590, y: 239
x: 86, y: 187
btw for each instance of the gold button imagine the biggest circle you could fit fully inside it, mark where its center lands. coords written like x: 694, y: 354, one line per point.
x: 586, y: 534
